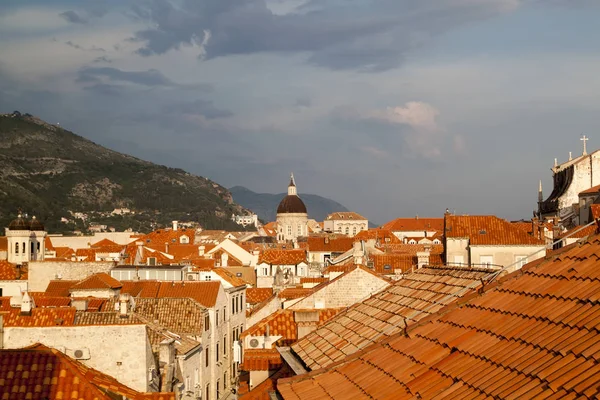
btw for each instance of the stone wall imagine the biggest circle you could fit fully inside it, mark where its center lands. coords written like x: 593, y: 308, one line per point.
x: 272, y: 306
x: 42, y: 272
x: 353, y: 287
x: 120, y: 351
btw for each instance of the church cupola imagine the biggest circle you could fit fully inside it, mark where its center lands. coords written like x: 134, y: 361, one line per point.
x: 292, y: 191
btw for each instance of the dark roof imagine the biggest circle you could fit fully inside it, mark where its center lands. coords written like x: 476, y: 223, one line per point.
x: 36, y: 225
x: 19, y: 224
x: 291, y: 204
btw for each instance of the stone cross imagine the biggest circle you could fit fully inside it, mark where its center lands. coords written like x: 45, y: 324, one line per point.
x: 584, y: 139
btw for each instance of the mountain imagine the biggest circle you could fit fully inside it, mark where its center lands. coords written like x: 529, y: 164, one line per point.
x: 50, y: 172
x: 265, y: 204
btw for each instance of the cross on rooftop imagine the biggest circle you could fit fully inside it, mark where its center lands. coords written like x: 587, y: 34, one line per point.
x: 584, y: 139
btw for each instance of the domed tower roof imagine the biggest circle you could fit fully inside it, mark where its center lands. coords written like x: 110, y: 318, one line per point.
x: 292, y: 204
x: 19, y: 224
x: 36, y: 225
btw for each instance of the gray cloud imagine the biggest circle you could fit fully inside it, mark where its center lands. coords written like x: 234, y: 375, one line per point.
x: 105, y: 89
x: 150, y: 78
x: 199, y: 107
x: 368, y: 37
x: 74, y: 17
x: 79, y: 47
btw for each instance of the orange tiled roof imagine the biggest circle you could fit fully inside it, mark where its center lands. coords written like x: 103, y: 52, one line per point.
x: 10, y: 272
x: 488, y: 230
x: 90, y: 254
x: 283, y: 323
x: 258, y: 295
x: 592, y: 190
x: 105, y: 243
x: 50, y: 301
x: 415, y: 224
x: 100, y: 280
x: 531, y: 334
x: 384, y: 313
x: 64, y: 252
x: 313, y: 280
x: 229, y: 277
x: 41, y: 372
x: 282, y: 257
x: 140, y: 288
x: 382, y: 236
x: 326, y: 244
x: 59, y: 288
x: 345, y: 216
x: 40, y: 317
x: 3, y: 243
x: 48, y: 244
x: 204, y: 293
x: 294, y: 293
x: 261, y: 360
x: 261, y: 392
x: 575, y: 234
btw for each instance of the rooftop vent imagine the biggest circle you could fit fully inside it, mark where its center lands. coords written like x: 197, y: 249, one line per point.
x: 482, y: 232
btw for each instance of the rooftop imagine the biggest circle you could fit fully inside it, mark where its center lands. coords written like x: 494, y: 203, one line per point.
x: 531, y: 334
x: 415, y: 224
x: 282, y: 257
x: 344, y: 216
x: 488, y: 230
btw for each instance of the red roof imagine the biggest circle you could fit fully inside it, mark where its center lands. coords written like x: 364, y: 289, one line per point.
x: 380, y: 235
x: 40, y: 316
x: 205, y: 293
x: 261, y: 360
x: 39, y: 372
x: 294, y: 293
x: 10, y: 272
x: 326, y: 244
x: 415, y: 224
x: 488, y: 230
x: 100, y: 280
x: 592, y: 190
x: 60, y: 288
x: 531, y: 334
x: 258, y: 295
x: 282, y: 257
x: 105, y: 243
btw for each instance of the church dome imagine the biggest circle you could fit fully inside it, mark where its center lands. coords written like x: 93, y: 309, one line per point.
x: 36, y: 225
x: 19, y: 224
x: 291, y: 204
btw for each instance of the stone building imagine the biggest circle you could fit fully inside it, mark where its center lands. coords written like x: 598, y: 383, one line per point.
x: 25, y: 240
x: 569, y: 180
x: 347, y: 223
x: 292, y: 217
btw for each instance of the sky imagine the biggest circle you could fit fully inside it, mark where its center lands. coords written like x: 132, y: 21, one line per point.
x: 394, y: 108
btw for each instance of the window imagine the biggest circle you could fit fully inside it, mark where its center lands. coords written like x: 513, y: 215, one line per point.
x: 207, y: 357
x: 224, y: 380
x: 224, y: 314
x: 207, y: 391
x: 225, y: 345
x: 233, y: 303
x: 207, y: 277
x: 38, y: 246
x: 151, y: 260
x: 486, y: 261
x: 299, y: 230
x: 16, y: 248
x: 188, y: 382
x: 289, y: 230
x: 206, y: 322
x: 520, y: 261
x: 354, y: 231
x: 218, y: 387
x: 347, y: 230
x: 265, y: 271
x: 217, y: 352
x: 197, y: 377
x: 184, y: 239
x: 216, y: 317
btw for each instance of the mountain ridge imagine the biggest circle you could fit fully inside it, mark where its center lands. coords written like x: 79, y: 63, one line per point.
x: 265, y: 204
x: 52, y: 172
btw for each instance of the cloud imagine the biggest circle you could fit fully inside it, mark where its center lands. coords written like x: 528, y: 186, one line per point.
x: 74, y: 17
x: 79, y: 47
x: 198, y: 107
x: 150, y: 78
x: 366, y: 36
x: 374, y: 152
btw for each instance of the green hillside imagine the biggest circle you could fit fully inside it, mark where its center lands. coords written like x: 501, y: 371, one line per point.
x: 51, y: 172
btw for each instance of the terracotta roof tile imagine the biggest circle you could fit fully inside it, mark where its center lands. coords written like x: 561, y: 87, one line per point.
x: 261, y: 392
x: 579, y: 233
x: 283, y: 323
x: 229, y: 277
x: 327, y: 244
x: 592, y: 190
x: 41, y: 372
x: 204, y: 293
x: 10, y: 272
x: 313, y: 280
x: 261, y: 360
x: 344, y: 216
x: 530, y: 334
x: 258, y: 295
x: 380, y: 235
x: 40, y: 317
x: 294, y: 293
x: 60, y: 288
x: 488, y: 230
x: 282, y: 257
x: 89, y: 254
x: 41, y: 300
x: 384, y: 313
x: 64, y: 252
x: 105, y: 243
x: 415, y: 224
x: 100, y: 280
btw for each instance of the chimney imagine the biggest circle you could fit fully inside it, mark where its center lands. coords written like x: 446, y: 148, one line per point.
x: 423, y: 257
x: 123, y: 300
x: 80, y: 304
x: 140, y: 252
x: 175, y: 225
x: 224, y: 259
x: 326, y: 239
x: 268, y: 343
x: 167, y: 247
x: 306, y: 321
x: 27, y: 304
x: 201, y: 250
